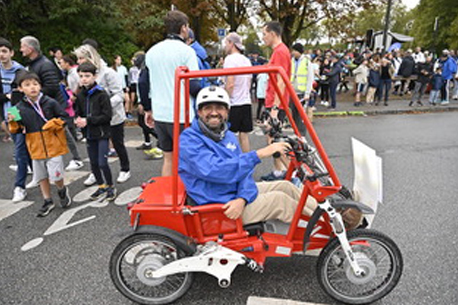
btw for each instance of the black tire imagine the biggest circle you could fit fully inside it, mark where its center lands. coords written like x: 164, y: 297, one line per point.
x: 373, y: 252
x: 140, y: 252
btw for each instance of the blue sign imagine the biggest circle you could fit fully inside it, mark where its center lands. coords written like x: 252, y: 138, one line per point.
x: 221, y: 32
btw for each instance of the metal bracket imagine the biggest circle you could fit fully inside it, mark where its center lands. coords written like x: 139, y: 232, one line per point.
x: 211, y: 258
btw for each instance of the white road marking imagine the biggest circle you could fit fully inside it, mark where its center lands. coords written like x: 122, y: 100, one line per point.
x: 62, y: 222
x: 110, y: 160
x: 32, y: 244
x: 128, y: 196
x: 84, y: 194
x: 133, y: 143
x: 70, y: 177
x: 8, y: 207
x: 252, y: 300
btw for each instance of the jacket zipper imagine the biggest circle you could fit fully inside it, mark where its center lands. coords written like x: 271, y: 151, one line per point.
x: 44, y: 144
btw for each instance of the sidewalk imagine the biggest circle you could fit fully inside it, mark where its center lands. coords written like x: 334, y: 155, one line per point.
x: 394, y: 107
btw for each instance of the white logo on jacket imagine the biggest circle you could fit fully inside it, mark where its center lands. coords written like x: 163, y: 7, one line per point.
x: 231, y: 146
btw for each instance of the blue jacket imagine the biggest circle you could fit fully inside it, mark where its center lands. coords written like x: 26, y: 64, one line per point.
x: 449, y: 67
x: 436, y: 82
x: 7, y: 81
x: 203, y: 64
x: 216, y: 172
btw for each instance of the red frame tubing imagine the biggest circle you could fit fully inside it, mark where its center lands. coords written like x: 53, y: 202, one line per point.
x: 183, y: 72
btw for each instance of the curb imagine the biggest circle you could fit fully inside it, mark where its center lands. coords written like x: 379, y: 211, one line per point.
x: 436, y: 109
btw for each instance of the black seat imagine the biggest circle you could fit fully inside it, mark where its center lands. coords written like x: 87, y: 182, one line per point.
x: 254, y: 229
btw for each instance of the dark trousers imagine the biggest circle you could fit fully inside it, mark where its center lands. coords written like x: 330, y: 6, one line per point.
x: 297, y: 118
x: 384, y: 88
x: 419, y: 90
x: 261, y: 106
x: 70, y: 133
x: 333, y: 93
x: 147, y: 132
x: 324, y: 92
x: 98, y: 156
x: 22, y: 159
x: 117, y: 138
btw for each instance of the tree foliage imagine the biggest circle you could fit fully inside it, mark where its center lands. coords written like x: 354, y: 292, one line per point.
x: 423, y: 27
x: 299, y: 15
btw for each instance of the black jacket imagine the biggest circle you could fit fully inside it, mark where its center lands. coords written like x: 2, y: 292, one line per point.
x: 143, y: 89
x: 94, y: 105
x: 425, y: 72
x: 407, y: 67
x: 30, y: 118
x: 49, y: 77
x: 334, y: 75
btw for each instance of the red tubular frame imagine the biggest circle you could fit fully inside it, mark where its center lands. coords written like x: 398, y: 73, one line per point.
x: 183, y: 73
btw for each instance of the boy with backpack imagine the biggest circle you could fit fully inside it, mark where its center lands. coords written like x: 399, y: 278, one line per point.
x: 42, y: 119
x: 93, y: 115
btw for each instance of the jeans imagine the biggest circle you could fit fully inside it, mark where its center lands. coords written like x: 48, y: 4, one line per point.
x: 22, y: 159
x: 98, y: 156
x: 117, y: 137
x: 434, y: 96
x: 455, y: 88
x: 385, y: 86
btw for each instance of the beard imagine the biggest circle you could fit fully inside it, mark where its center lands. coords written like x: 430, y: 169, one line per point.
x: 209, y: 121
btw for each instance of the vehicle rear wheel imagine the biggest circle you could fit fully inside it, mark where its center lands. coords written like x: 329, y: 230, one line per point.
x: 375, y: 252
x: 136, y: 257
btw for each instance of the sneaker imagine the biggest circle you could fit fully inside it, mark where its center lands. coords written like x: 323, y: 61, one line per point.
x: 112, y: 153
x: 32, y: 184
x: 325, y: 104
x: 74, y: 165
x: 111, y: 193
x: 64, y: 197
x: 19, y: 194
x: 130, y: 117
x: 157, y: 155
x: 444, y: 102
x: 47, y: 207
x: 271, y: 177
x: 14, y: 168
x: 123, y: 177
x: 90, y: 180
x: 153, y: 151
x: 99, y: 193
x: 144, y: 146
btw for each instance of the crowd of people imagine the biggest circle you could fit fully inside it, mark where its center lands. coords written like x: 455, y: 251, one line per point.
x: 50, y: 104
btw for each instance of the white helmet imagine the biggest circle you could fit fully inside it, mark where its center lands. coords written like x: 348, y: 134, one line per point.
x: 212, y: 94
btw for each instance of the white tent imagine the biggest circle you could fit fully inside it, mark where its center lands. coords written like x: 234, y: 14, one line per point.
x: 391, y: 38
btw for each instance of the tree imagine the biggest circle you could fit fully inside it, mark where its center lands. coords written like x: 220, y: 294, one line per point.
x: 233, y: 12
x: 423, y: 27
x: 298, y: 15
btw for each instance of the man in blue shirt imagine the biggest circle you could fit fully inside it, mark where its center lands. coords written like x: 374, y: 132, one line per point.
x: 162, y: 59
x: 214, y: 169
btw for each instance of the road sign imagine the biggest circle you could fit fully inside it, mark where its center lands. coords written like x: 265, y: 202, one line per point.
x: 221, y: 32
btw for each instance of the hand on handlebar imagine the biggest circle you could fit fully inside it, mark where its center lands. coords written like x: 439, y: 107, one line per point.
x: 271, y: 149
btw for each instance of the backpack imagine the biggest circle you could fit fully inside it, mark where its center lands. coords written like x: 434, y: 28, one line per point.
x: 204, y: 65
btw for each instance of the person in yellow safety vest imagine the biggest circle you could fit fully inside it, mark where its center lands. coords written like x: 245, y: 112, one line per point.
x: 302, y: 81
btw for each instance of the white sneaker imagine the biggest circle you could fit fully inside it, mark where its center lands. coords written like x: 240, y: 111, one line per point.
x: 74, y: 165
x: 32, y: 184
x: 123, y: 177
x: 90, y: 180
x: 14, y: 168
x: 19, y: 194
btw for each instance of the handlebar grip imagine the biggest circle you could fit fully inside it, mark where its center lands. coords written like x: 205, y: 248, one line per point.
x: 276, y: 155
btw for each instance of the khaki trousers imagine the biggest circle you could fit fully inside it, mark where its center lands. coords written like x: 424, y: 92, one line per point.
x: 276, y: 200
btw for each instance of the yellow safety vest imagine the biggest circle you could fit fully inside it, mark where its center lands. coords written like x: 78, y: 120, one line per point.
x: 299, y: 76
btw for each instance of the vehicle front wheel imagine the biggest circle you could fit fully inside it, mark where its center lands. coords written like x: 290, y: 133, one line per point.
x: 136, y: 257
x: 376, y: 254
